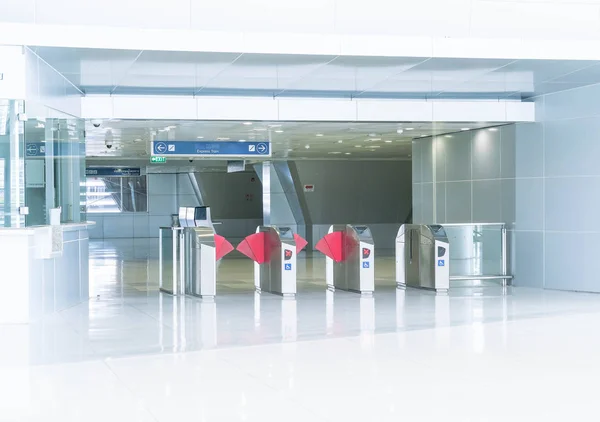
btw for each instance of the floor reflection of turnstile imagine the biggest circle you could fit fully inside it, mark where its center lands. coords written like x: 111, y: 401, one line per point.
x: 350, y: 263
x: 170, y: 262
x: 423, y: 257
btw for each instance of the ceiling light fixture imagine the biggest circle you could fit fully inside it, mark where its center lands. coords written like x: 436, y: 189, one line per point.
x: 274, y: 125
x: 200, y: 137
x: 319, y: 134
x: 448, y: 136
x: 388, y: 142
x: 242, y: 140
x: 223, y: 139
x: 279, y: 131
x: 410, y: 128
x: 400, y: 131
x: 423, y: 136
x: 307, y: 146
x: 334, y: 152
x: 260, y: 129
x: 493, y: 129
x: 465, y: 128
x: 248, y: 123
x: 372, y: 134
x: 357, y: 146
x: 347, y: 153
x: 375, y: 139
x: 374, y: 146
x: 340, y: 141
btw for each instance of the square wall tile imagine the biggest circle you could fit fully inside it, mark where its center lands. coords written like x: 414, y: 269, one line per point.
x: 440, y: 159
x: 440, y: 205
x: 508, y: 139
x: 571, y: 147
x: 458, y: 202
x: 428, y: 199
x: 417, y: 203
x: 118, y: 226
x: 529, y: 150
x: 508, y: 188
x: 572, y: 261
x: 426, y: 160
x: 485, y: 154
x: 457, y: 154
x: 529, y: 259
x: 416, y: 161
x: 487, y: 201
x: 140, y: 226
x: 529, y: 207
x: 572, y: 203
x: 161, y: 184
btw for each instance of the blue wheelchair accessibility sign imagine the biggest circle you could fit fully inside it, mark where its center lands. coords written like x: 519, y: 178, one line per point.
x: 441, y: 263
x: 365, y: 265
x: 288, y: 267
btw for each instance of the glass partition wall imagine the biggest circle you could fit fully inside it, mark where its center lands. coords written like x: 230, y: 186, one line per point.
x: 42, y: 166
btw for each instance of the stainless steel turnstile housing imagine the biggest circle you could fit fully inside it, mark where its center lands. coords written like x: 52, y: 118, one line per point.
x: 356, y: 271
x: 200, y: 262
x: 423, y: 257
x: 278, y: 274
x: 170, y: 263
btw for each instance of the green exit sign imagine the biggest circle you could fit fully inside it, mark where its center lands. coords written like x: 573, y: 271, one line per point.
x: 158, y: 159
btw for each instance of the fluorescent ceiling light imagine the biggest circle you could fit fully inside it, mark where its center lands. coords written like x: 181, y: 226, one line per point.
x: 200, y: 137
x: 307, y: 146
x: 423, y: 136
x: 334, y: 152
x: 248, y: 123
x: 357, y: 146
x: 388, y: 142
x: 448, y: 136
x: 493, y: 129
x: 347, y: 153
x: 400, y: 131
x: 410, y: 128
x: 340, y: 141
x: 279, y: 131
x: 374, y: 146
x: 375, y: 139
x: 274, y: 125
x: 242, y: 140
x: 372, y: 134
x: 223, y: 139
x: 465, y: 128
x: 319, y: 134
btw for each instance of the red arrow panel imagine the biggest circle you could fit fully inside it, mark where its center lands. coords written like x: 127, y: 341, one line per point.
x: 255, y: 247
x: 222, y: 246
x: 332, y: 245
x: 300, y: 242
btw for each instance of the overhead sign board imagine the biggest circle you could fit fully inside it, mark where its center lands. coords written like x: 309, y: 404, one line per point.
x: 211, y: 149
x: 113, y: 171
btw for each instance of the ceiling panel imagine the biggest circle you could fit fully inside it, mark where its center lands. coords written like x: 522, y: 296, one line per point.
x: 199, y: 73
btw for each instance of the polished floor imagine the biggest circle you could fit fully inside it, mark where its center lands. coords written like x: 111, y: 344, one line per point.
x: 481, y: 353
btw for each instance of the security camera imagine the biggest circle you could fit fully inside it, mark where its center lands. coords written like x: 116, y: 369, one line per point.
x: 108, y: 139
x: 108, y: 144
x: 96, y: 123
x: 191, y: 160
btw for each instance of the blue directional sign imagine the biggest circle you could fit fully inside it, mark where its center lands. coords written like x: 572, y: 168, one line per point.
x: 35, y: 149
x: 113, y: 171
x: 211, y: 149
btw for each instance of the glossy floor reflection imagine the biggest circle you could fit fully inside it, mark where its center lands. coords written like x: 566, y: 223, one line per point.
x: 133, y: 354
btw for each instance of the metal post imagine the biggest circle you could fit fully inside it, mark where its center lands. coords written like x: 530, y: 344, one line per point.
x: 504, y: 258
x: 266, y: 192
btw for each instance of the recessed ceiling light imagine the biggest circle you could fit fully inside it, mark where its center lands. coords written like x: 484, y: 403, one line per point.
x: 388, y: 142
x: 307, y: 146
x: 400, y: 131
x: 410, y: 128
x: 274, y: 125
x: 493, y: 129
x: 375, y: 139
x: 290, y: 150
x: 448, y: 136
x: 374, y: 146
x: 357, y: 146
x: 347, y: 153
x: 242, y: 140
x: 372, y: 134
x: 248, y: 123
x: 334, y: 152
x: 423, y: 136
x: 464, y: 128
x: 279, y: 131
x: 200, y: 137
x: 340, y: 141
x: 222, y: 139
x: 319, y: 134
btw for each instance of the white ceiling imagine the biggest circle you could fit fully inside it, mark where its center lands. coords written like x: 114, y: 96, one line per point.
x: 291, y: 140
x: 100, y: 71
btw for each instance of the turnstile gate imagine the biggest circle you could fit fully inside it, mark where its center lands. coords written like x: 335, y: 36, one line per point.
x: 350, y: 263
x: 423, y: 257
